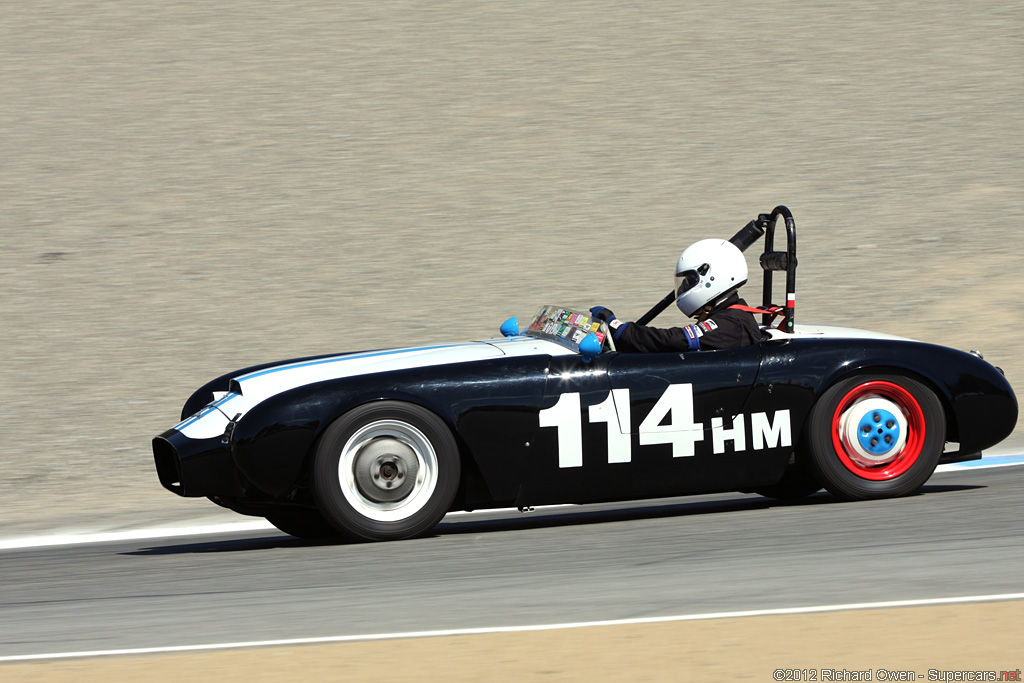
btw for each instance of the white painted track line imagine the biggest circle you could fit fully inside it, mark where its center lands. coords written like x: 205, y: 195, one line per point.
x: 986, y: 462
x: 133, y: 534
x: 253, y: 524
x: 55, y: 539
x: 519, y: 629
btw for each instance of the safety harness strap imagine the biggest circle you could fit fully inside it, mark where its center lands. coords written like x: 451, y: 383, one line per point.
x: 773, y: 311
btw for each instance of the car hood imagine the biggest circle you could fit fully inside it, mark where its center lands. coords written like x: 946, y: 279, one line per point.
x: 250, y: 389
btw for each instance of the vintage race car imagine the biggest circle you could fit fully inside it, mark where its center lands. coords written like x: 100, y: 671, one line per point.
x: 382, y: 444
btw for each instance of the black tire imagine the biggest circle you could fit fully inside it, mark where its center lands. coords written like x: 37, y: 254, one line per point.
x: 303, y: 523
x: 877, y: 436
x: 797, y: 482
x: 385, y: 471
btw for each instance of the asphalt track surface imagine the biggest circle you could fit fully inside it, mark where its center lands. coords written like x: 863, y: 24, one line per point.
x: 961, y: 536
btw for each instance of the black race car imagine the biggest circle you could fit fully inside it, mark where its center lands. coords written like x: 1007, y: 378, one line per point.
x: 381, y: 444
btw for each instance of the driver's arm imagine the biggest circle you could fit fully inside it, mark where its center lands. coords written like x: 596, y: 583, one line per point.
x: 636, y: 338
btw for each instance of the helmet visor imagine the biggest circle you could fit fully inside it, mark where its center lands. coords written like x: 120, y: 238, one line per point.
x: 688, y: 279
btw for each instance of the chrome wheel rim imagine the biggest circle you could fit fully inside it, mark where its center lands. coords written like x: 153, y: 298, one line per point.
x: 388, y: 470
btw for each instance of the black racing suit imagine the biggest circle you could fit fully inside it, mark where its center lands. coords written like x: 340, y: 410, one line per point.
x: 724, y: 328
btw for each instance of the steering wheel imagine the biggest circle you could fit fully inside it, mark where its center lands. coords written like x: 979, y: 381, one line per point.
x: 607, y: 336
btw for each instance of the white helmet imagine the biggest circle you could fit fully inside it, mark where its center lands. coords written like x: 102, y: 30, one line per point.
x: 708, y: 270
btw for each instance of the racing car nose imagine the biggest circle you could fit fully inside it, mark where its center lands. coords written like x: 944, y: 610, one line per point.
x: 195, y: 467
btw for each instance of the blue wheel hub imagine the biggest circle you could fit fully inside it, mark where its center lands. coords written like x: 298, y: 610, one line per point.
x: 878, y: 431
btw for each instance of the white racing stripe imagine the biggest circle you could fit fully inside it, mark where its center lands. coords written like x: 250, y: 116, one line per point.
x: 1003, y: 597
x: 50, y: 540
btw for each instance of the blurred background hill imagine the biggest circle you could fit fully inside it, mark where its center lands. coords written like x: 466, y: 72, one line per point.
x: 187, y: 188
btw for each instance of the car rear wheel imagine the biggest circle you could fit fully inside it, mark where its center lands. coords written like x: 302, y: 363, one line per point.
x: 303, y: 523
x: 875, y: 436
x: 386, y: 470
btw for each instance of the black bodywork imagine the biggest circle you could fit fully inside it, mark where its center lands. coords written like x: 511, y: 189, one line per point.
x: 492, y: 408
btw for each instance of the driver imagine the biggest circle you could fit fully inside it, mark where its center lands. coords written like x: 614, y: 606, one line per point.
x: 707, y: 276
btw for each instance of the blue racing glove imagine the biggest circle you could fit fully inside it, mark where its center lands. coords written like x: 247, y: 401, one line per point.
x: 614, y: 324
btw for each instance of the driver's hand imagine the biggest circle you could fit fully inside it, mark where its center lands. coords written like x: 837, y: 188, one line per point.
x: 614, y: 325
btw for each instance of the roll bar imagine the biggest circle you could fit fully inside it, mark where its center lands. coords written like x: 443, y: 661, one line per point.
x: 770, y: 260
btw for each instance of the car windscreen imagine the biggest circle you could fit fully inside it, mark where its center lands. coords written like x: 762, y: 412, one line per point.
x: 565, y: 326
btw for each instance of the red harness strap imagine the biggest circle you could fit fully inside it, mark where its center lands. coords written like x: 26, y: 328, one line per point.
x: 773, y: 311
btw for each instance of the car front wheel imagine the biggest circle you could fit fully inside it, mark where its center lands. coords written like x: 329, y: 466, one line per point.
x: 386, y: 470
x: 877, y: 436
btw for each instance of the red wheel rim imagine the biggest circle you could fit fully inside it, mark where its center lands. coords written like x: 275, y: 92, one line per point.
x: 911, y: 410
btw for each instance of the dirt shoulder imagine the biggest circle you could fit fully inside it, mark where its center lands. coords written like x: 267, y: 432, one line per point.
x: 974, y: 637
